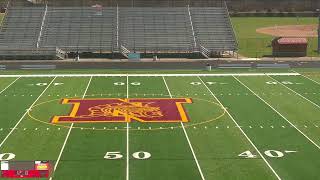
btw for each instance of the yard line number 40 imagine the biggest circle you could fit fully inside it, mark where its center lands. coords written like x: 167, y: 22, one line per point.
x: 269, y: 153
x: 283, y: 82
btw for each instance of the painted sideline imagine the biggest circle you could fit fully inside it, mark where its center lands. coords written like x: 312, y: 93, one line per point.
x: 150, y: 75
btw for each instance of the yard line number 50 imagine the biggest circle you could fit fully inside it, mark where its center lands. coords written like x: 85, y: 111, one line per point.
x: 141, y: 155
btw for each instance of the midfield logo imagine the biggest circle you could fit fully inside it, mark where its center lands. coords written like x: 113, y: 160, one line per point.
x: 125, y: 110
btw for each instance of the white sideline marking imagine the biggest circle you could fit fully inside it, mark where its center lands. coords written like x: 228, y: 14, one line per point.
x: 9, y: 85
x: 4, y: 140
x: 296, y: 92
x: 67, y: 137
x: 127, y: 134
x: 279, y: 113
x: 274, y: 172
x: 186, y: 134
x: 150, y: 75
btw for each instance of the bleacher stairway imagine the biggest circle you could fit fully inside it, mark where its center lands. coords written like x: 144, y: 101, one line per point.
x: 204, y: 30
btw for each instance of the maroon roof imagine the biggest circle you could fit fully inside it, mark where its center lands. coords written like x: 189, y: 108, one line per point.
x: 285, y: 41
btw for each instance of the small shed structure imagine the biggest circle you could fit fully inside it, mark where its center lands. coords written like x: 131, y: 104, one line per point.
x: 289, y: 47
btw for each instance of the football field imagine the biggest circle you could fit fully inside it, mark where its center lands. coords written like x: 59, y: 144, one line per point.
x: 164, y: 126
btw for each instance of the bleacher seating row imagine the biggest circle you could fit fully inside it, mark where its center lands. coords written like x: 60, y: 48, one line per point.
x: 107, y: 29
x: 21, y: 26
x: 79, y: 29
x: 155, y: 29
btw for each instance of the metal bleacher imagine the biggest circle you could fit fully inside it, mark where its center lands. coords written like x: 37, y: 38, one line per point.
x: 212, y: 28
x: 148, y: 29
x: 79, y: 29
x: 44, y: 27
x: 21, y: 26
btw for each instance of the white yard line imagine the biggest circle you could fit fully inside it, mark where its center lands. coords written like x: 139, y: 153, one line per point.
x: 186, y: 134
x: 278, y: 113
x: 310, y: 79
x: 9, y: 85
x: 127, y: 153
x: 61, y: 151
x: 255, y: 147
x: 67, y: 137
x: 148, y: 75
x: 307, y: 77
x: 296, y: 92
x: 25, y: 113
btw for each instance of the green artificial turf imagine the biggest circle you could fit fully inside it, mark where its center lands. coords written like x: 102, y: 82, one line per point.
x: 272, y: 117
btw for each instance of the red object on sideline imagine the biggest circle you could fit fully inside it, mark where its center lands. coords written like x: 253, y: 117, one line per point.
x: 24, y: 174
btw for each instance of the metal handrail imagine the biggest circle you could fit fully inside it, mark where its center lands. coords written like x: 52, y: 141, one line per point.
x: 230, y: 23
x: 205, y: 51
x: 191, y: 24
x: 42, y: 24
